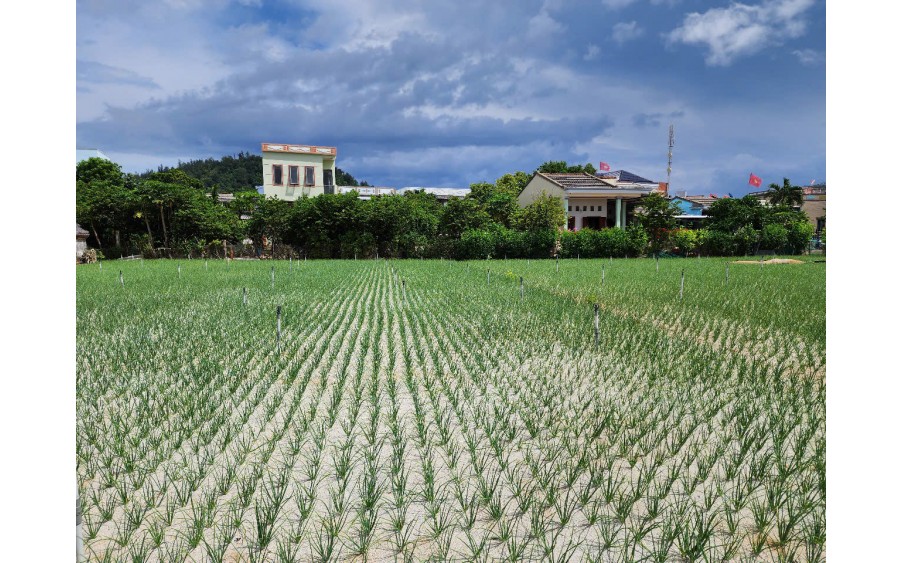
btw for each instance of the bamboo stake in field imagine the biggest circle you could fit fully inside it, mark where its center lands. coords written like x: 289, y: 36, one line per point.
x: 726, y: 275
x: 404, y: 291
x: 603, y: 275
x: 289, y: 264
x: 244, y: 296
x: 522, y: 289
x: 596, y: 321
x: 681, y: 285
x: 273, y: 276
x: 79, y: 545
x: 656, y: 264
x: 99, y: 263
x: 487, y: 276
x: 121, y: 282
x: 556, y: 263
x: 179, y: 268
x: 278, y: 325
x: 205, y: 266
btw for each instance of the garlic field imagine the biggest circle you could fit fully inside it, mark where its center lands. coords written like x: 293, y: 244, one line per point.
x: 448, y: 411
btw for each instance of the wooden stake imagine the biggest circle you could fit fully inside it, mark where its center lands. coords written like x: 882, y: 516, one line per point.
x: 121, y: 282
x: 596, y: 307
x: 681, y: 285
x: 522, y: 289
x: 404, y: 291
x: 487, y: 276
x: 726, y: 275
x: 603, y: 275
x: 205, y: 265
x: 556, y: 263
x: 244, y: 296
x: 656, y: 263
x: 272, y: 276
x: 278, y: 325
x: 180, y: 271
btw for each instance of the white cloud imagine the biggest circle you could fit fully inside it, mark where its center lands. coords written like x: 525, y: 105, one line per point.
x: 592, y: 51
x: 626, y: 31
x: 809, y: 56
x: 742, y: 29
x: 542, y: 24
x: 617, y: 4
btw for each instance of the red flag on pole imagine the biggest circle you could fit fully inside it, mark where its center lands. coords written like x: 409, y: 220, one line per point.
x: 755, y: 180
x: 713, y: 196
x: 604, y: 167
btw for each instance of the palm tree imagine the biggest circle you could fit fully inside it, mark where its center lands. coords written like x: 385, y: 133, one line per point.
x: 786, y: 195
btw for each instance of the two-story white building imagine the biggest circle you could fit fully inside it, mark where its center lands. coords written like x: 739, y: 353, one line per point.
x: 294, y: 171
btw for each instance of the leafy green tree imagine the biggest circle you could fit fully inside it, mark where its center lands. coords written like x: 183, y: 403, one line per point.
x: 560, y: 166
x: 269, y: 217
x: 545, y: 213
x: 498, y: 203
x: 101, y: 197
x: 513, y: 184
x: 728, y: 215
x: 461, y: 215
x: 785, y: 195
x: 657, y: 216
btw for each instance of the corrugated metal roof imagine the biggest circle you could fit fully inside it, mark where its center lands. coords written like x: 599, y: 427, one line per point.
x: 438, y: 192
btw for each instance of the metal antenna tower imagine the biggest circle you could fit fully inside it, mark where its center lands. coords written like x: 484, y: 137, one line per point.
x: 670, y: 151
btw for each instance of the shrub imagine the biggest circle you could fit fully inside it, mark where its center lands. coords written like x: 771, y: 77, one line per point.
x: 539, y: 243
x: 799, y: 236
x: 716, y: 243
x: 475, y: 244
x: 612, y: 242
x: 685, y: 241
x: 570, y: 244
x: 746, y: 240
x: 637, y: 241
x: 773, y: 237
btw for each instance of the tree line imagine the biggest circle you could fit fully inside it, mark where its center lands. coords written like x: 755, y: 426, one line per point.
x: 170, y: 212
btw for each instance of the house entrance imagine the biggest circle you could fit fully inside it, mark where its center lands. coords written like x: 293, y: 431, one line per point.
x: 328, y: 187
x: 592, y: 223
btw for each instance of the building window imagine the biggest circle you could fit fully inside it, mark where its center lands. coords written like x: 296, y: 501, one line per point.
x: 592, y: 207
x: 308, y: 175
x: 293, y: 178
x: 569, y: 207
x: 277, y: 174
x: 584, y: 208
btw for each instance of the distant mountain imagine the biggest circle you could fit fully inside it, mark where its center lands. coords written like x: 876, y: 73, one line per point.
x: 239, y: 173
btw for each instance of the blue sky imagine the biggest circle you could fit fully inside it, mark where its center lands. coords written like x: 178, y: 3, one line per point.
x: 446, y: 94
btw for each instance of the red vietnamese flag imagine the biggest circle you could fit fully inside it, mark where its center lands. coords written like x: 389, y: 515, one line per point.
x: 604, y: 167
x: 755, y: 180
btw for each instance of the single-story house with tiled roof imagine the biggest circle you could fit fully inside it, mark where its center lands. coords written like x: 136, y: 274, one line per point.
x: 589, y: 201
